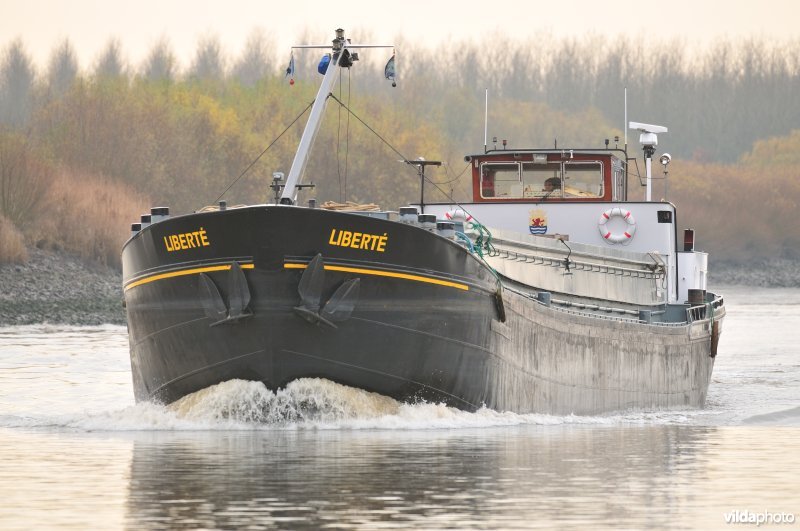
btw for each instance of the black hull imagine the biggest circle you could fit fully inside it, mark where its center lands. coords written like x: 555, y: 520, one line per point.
x: 408, y: 314
x: 417, y: 329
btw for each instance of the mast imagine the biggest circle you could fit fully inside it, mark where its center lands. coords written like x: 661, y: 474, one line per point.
x: 289, y: 195
x: 341, y: 57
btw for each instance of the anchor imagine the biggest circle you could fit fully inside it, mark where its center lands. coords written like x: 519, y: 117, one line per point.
x: 238, y: 298
x: 338, y: 308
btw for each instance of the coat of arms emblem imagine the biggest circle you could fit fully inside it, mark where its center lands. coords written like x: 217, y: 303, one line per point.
x: 538, y: 221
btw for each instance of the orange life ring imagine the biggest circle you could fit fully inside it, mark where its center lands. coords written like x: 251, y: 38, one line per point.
x: 617, y: 237
x: 459, y: 214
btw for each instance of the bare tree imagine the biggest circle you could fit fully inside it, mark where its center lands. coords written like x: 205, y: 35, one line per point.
x: 254, y: 63
x: 209, y: 64
x: 160, y: 64
x: 23, y: 179
x: 111, y: 63
x: 17, y: 76
x: 62, y: 70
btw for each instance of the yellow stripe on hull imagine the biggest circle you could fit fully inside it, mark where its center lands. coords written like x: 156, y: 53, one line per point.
x: 342, y: 269
x: 184, y: 272
x: 391, y: 274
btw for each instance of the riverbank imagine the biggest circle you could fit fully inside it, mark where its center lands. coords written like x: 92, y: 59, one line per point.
x: 59, y: 288
x: 766, y: 273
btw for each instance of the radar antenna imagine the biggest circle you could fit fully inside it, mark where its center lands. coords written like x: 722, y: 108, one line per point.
x: 649, y: 140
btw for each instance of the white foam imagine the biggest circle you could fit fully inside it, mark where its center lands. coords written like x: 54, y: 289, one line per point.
x: 310, y: 403
x: 49, y: 328
x: 786, y: 417
x: 313, y: 403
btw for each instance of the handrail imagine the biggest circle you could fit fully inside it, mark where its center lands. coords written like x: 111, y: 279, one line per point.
x: 580, y: 266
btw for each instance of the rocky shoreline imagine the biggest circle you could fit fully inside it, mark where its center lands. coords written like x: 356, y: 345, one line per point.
x: 58, y: 288
x: 766, y: 273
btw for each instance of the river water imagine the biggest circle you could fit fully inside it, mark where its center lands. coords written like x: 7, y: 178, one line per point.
x: 75, y: 452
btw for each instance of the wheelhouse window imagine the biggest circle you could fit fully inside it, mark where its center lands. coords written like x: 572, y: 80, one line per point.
x: 583, y: 179
x: 619, y: 183
x: 541, y: 180
x: 500, y: 180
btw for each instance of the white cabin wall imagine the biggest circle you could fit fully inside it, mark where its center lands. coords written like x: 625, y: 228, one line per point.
x: 579, y: 221
x: 692, y: 271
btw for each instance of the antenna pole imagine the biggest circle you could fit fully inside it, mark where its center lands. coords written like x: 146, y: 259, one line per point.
x: 625, y: 128
x: 625, y: 125
x: 486, y: 124
x: 420, y: 164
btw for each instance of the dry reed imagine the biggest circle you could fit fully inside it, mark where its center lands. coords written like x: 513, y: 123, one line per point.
x: 12, y: 243
x: 88, y: 216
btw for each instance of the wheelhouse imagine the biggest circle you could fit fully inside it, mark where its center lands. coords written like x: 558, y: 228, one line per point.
x: 548, y: 175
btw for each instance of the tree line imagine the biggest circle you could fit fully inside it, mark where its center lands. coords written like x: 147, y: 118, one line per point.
x: 181, y: 137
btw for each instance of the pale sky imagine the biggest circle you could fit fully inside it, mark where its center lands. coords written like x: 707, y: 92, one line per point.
x: 139, y: 24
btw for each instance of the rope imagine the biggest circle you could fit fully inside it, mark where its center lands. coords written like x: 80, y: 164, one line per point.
x: 350, y: 205
x: 373, y: 131
x: 403, y: 157
x: 347, y: 135
x: 463, y: 237
x: 711, y: 308
x: 484, y: 241
x: 262, y: 153
x: 483, y: 244
x: 338, y: 139
x: 214, y: 208
x: 343, y: 195
x: 447, y: 169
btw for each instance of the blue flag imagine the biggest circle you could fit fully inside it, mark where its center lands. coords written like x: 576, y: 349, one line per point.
x: 290, y: 70
x: 388, y: 71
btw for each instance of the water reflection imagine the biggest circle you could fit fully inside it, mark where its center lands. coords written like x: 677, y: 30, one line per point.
x: 56, y: 480
x: 497, y: 478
